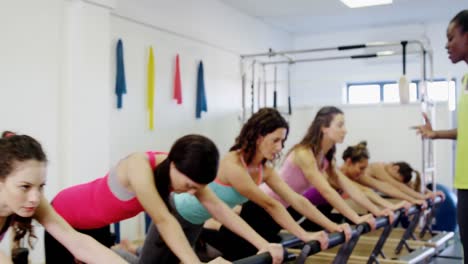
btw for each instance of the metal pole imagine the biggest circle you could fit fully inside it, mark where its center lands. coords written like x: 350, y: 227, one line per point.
x: 272, y: 53
x: 259, y: 86
x: 274, y: 88
x: 243, y: 98
x: 243, y: 79
x: 359, y: 56
x: 252, y: 88
x: 289, y: 90
x: 264, y: 86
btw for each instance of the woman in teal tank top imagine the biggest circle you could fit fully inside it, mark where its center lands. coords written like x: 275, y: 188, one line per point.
x: 248, y: 163
x: 235, y: 183
x: 250, y: 160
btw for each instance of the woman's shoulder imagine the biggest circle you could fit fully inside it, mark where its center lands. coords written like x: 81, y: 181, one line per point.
x: 377, y: 164
x: 301, y: 154
x: 232, y: 158
x: 156, y: 156
x: 373, y: 166
x: 230, y: 167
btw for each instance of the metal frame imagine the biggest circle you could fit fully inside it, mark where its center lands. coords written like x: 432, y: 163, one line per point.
x: 335, y: 239
x: 428, y: 156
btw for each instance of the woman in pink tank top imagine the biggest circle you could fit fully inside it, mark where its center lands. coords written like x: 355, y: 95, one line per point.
x: 140, y: 182
x: 318, y: 144
x: 22, y: 178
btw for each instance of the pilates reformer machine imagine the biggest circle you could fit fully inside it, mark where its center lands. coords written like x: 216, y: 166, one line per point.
x: 386, y: 244
x: 258, y: 88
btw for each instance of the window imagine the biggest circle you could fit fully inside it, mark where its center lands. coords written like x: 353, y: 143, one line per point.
x: 363, y: 94
x: 391, y: 93
x: 387, y: 92
x: 440, y: 90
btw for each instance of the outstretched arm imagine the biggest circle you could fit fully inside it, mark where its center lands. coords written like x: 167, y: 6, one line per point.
x: 386, y: 188
x: 377, y: 199
x: 142, y: 182
x: 359, y: 197
x: 82, y: 246
x: 5, y: 259
x: 379, y: 172
x: 244, y: 184
x: 304, y: 206
x: 426, y: 131
x: 305, y: 160
x: 300, y: 203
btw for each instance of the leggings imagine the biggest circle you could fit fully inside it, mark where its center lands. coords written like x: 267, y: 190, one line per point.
x: 55, y: 253
x: 325, y: 209
x: 258, y: 219
x: 262, y: 223
x: 462, y: 213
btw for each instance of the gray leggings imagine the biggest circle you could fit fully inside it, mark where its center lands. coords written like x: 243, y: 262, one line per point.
x: 155, y: 250
x: 128, y: 256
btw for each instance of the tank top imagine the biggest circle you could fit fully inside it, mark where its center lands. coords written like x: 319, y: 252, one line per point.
x: 94, y: 204
x: 190, y: 208
x: 294, y: 177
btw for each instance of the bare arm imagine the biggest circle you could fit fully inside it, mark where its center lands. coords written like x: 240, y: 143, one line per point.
x: 141, y: 180
x: 445, y: 134
x: 305, y: 160
x: 375, y: 198
x: 82, y: 246
x: 432, y: 195
x: 300, y: 203
x: 244, y: 184
x: 426, y: 131
x: 385, y: 188
x: 5, y: 259
x: 379, y: 172
x: 355, y: 193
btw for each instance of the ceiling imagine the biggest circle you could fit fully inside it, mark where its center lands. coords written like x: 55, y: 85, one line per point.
x: 315, y: 16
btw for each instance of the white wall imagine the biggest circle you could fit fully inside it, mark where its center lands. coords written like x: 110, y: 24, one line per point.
x: 61, y: 54
x: 30, y: 79
x: 324, y: 82
x: 207, y: 31
x: 30, y: 73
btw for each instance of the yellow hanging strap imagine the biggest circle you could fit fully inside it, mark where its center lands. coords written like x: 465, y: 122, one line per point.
x: 151, y: 89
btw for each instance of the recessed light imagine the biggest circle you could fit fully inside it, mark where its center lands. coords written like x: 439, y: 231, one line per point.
x: 364, y: 3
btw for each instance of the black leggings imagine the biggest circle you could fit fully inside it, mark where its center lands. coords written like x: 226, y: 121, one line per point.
x: 258, y: 219
x: 462, y: 213
x: 55, y: 253
x: 325, y: 209
x: 261, y: 222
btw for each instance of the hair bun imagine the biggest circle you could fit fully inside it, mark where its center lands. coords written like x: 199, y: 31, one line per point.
x: 362, y: 144
x: 7, y: 134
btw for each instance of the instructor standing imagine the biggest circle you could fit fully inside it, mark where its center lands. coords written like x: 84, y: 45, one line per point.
x: 457, y: 48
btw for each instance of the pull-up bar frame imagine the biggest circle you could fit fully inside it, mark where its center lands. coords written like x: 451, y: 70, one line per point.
x: 426, y: 105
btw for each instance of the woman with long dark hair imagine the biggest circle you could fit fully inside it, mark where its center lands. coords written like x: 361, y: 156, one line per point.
x: 140, y: 182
